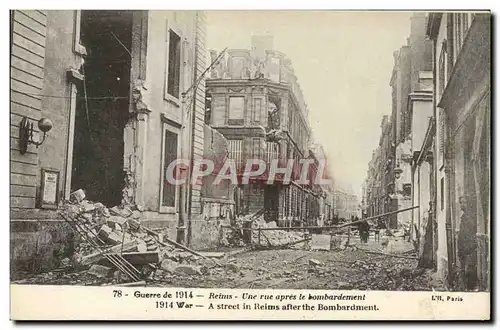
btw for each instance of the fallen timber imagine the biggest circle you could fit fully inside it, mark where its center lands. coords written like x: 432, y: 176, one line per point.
x: 388, y: 254
x: 180, y: 246
x: 334, y: 227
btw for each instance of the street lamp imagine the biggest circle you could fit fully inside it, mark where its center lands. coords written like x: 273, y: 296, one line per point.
x: 26, y: 133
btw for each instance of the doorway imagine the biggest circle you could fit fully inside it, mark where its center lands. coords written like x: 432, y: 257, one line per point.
x: 102, y: 107
x: 271, y: 203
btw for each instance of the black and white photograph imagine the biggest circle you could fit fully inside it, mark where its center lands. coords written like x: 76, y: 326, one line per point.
x: 327, y: 153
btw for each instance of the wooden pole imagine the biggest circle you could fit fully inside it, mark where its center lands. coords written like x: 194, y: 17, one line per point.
x: 342, y: 225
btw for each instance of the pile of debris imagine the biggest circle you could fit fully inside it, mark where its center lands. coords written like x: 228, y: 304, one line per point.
x: 245, y: 231
x: 114, y: 243
x: 274, y: 238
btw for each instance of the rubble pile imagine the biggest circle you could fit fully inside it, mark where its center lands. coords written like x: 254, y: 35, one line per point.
x: 274, y: 237
x: 235, y: 236
x: 112, y: 243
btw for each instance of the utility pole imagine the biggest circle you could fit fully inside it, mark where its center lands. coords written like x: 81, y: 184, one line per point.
x: 188, y: 94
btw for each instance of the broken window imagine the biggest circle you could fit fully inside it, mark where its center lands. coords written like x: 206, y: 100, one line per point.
x: 170, y: 151
x: 174, y: 64
x: 236, y: 110
x: 273, y: 113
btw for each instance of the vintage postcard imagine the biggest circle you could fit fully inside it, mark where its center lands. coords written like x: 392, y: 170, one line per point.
x: 243, y: 165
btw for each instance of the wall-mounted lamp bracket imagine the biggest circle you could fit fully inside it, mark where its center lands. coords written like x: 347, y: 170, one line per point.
x: 26, y: 133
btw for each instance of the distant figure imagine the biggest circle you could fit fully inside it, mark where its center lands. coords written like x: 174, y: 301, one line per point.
x: 467, y: 242
x: 406, y: 232
x: 377, y: 233
x: 360, y: 231
x: 364, y: 231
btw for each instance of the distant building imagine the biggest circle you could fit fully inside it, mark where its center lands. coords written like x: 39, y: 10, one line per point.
x: 412, y: 66
x: 254, y: 100
x: 346, y: 205
x: 389, y: 183
x: 378, y: 188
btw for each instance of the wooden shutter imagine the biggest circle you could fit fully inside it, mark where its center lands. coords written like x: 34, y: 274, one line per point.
x: 170, y: 154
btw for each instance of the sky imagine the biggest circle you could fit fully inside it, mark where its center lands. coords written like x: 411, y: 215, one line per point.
x: 343, y: 62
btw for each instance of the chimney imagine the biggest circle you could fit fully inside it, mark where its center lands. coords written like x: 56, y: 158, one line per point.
x: 418, y: 24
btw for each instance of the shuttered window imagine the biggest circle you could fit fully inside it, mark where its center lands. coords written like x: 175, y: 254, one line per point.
x: 441, y: 135
x: 174, y: 64
x: 170, y: 154
x: 235, y: 153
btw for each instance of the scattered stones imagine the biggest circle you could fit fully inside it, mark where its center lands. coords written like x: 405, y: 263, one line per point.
x: 119, y: 231
x: 344, y: 286
x: 65, y: 262
x: 233, y: 267
x: 99, y: 271
x: 169, y: 265
x: 87, y: 206
x: 77, y: 196
x: 116, y: 220
x: 314, y: 262
x: 188, y: 270
x: 119, y: 277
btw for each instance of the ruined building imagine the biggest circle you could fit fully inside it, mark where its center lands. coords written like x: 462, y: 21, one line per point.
x: 111, y: 84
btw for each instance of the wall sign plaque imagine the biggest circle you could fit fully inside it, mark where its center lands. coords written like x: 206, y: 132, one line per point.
x: 49, y: 189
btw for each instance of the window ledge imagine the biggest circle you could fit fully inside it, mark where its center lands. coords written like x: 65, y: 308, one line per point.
x: 172, y: 100
x: 80, y: 50
x: 167, y: 210
x: 74, y: 75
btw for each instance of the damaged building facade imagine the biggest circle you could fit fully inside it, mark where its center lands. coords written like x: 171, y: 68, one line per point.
x: 390, y: 177
x: 254, y: 100
x: 111, y: 86
x: 462, y: 148
x: 442, y: 144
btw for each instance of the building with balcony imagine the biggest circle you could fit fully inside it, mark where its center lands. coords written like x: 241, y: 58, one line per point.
x: 254, y: 100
